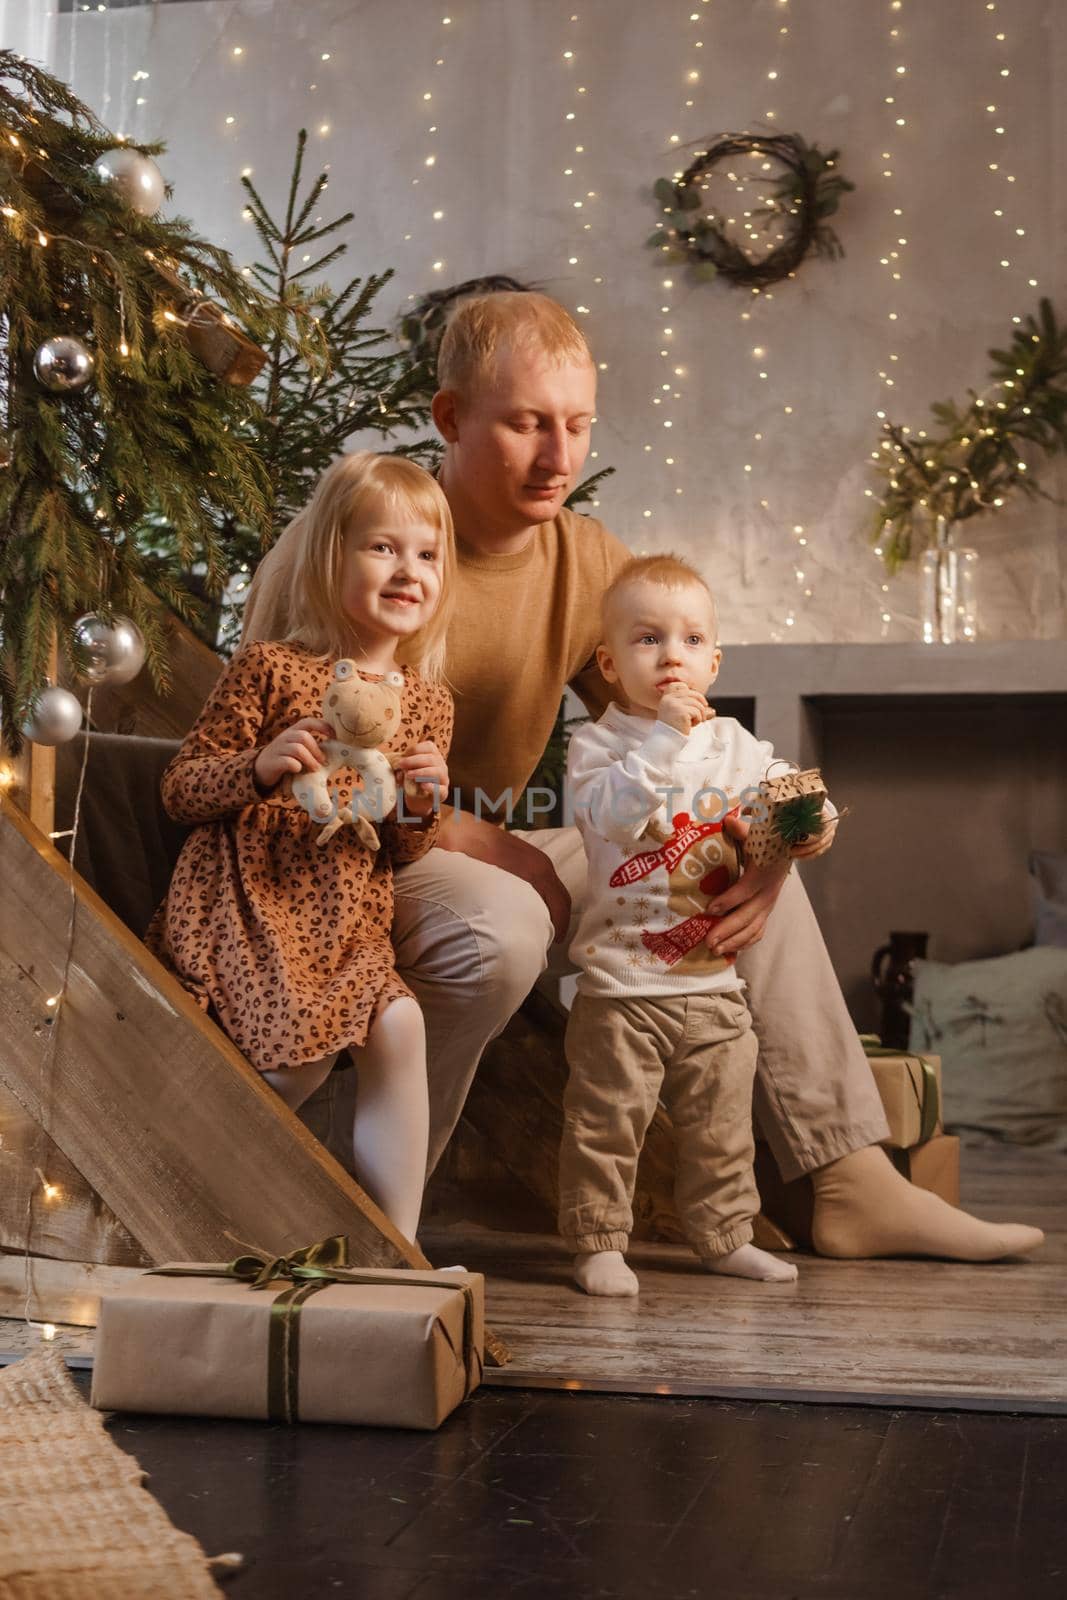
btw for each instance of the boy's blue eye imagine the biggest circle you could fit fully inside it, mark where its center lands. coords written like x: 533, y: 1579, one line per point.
x: 647, y: 638
x: 695, y: 638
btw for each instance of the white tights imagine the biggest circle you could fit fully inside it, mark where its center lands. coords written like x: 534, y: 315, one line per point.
x: 391, y: 1128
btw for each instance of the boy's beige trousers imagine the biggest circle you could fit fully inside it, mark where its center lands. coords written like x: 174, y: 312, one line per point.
x: 472, y: 940
x: 699, y: 1052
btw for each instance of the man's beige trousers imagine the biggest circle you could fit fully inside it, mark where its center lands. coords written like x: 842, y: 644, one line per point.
x: 472, y: 941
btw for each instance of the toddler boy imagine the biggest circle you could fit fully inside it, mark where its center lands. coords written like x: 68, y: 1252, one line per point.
x: 657, y: 1009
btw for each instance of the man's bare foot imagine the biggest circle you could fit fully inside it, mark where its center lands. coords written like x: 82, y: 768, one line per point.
x: 604, y: 1272
x: 863, y: 1207
x: 749, y: 1262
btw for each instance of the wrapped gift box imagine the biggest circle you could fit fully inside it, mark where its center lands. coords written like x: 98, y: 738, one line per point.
x: 384, y: 1347
x: 934, y: 1165
x: 910, y: 1087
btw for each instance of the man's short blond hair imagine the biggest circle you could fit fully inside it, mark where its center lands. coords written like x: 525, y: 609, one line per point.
x: 668, y: 571
x: 480, y: 327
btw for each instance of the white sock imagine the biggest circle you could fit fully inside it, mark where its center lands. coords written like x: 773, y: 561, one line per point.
x: 604, y: 1272
x: 749, y: 1262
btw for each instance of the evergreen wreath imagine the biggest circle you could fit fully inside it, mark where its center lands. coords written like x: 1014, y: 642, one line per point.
x: 795, y: 204
x: 424, y: 325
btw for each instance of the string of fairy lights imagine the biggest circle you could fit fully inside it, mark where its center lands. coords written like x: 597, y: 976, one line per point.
x: 580, y: 202
x: 899, y: 116
x: 1010, y: 253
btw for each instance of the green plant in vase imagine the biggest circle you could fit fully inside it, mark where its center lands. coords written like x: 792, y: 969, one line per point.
x: 980, y: 454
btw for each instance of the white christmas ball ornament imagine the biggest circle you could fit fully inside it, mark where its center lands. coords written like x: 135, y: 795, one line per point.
x: 133, y: 176
x: 111, y: 652
x: 55, y: 719
x: 63, y: 364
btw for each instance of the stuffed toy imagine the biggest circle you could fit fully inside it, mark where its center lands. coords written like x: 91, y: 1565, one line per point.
x: 363, y: 716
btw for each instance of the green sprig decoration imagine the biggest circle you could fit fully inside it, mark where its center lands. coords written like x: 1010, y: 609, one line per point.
x: 982, y: 452
x: 153, y: 429
x: 799, y: 819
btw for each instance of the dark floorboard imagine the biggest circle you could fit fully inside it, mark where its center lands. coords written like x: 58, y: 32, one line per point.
x: 550, y: 1496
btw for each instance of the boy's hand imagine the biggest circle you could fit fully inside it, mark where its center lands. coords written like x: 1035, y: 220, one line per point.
x: 294, y: 750
x: 682, y: 708
x: 745, y: 906
x: 424, y: 767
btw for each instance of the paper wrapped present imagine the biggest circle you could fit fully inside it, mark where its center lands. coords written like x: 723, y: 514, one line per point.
x: 910, y: 1088
x: 934, y: 1165
x: 788, y: 813
x: 301, y: 1337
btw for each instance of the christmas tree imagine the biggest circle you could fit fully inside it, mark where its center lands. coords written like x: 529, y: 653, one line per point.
x: 364, y: 382
x: 129, y: 346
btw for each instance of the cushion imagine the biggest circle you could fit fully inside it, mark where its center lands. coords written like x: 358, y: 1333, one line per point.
x: 1048, y: 874
x: 1000, y: 1028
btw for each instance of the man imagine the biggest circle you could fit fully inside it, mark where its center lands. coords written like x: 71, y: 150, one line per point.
x: 477, y: 917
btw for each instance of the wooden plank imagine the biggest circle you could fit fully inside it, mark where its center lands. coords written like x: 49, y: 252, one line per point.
x: 68, y: 1221
x: 57, y: 1291
x: 174, y: 1130
x: 898, y: 1332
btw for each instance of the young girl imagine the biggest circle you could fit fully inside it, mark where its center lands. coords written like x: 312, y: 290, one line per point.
x: 288, y: 942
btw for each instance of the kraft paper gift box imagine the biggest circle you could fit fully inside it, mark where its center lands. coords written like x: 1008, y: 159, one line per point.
x: 773, y: 831
x: 934, y: 1165
x: 298, y: 1338
x: 910, y: 1090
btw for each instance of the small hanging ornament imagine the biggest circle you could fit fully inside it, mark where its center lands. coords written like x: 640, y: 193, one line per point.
x: 108, y: 652
x: 134, y: 177
x: 56, y: 717
x: 63, y: 364
x: 211, y: 336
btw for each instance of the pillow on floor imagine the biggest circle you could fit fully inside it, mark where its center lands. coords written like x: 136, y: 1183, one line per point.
x: 1000, y: 1028
x: 1048, y: 874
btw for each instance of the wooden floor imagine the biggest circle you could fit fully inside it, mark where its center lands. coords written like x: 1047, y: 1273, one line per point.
x: 895, y: 1333
x: 899, y: 1333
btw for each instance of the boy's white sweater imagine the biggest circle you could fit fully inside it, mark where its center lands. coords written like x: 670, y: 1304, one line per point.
x: 642, y: 926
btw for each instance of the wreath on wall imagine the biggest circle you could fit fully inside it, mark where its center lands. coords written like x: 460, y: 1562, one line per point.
x: 423, y: 326
x: 753, y: 241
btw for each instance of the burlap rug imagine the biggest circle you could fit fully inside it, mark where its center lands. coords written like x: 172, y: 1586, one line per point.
x: 75, y: 1521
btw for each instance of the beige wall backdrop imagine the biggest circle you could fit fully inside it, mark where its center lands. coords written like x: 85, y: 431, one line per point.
x: 523, y: 136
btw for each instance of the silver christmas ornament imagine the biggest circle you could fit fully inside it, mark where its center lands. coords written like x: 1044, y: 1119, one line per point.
x: 55, y: 719
x: 133, y: 176
x: 64, y: 364
x: 108, y: 652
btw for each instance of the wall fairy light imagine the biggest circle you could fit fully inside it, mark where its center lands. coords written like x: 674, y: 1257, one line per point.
x: 1011, y: 254
x: 898, y: 118
x: 581, y: 199
x: 433, y: 264
x: 669, y: 382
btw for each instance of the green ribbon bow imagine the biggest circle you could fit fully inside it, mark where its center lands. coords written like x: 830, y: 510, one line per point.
x: 307, y: 1270
x: 923, y: 1083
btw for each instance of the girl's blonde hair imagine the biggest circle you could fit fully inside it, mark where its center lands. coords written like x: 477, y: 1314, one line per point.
x: 354, y: 489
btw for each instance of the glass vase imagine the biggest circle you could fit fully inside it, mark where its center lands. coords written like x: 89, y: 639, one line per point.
x: 948, y: 598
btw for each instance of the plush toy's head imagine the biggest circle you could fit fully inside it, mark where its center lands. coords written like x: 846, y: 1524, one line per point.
x: 363, y: 714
